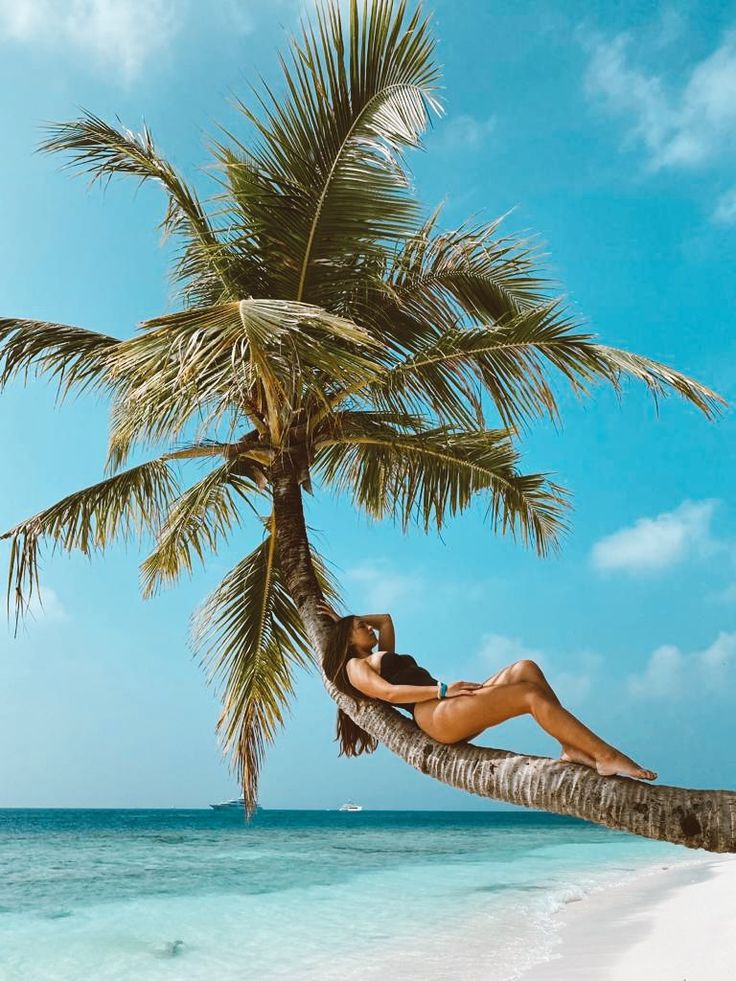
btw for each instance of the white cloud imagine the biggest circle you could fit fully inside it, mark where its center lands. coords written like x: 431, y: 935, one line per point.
x: 239, y: 16
x: 654, y: 544
x: 725, y: 210
x: 727, y: 595
x: 245, y: 16
x: 496, y: 651
x: 663, y: 676
x: 45, y: 607
x: 117, y: 34
x: 572, y: 685
x: 679, y: 125
x: 672, y: 674
x: 669, y: 28
x: 383, y: 588
x: 463, y: 132
x: 668, y: 674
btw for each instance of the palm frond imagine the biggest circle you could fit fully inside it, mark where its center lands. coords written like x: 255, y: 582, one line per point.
x: 249, y: 456
x: 440, y: 281
x: 660, y: 379
x: 250, y: 637
x: 327, y: 179
x: 197, y: 522
x: 435, y: 473
x: 130, y: 503
x: 228, y: 359
x: 72, y: 356
x: 514, y: 363
x: 194, y: 451
x: 344, y: 423
x: 297, y: 349
x: 102, y: 150
x: 174, y: 368
x: 485, y: 276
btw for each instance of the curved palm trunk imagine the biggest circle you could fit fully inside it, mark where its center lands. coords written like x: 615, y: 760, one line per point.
x: 695, y: 818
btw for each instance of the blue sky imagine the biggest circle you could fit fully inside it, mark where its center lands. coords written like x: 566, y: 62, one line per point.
x: 612, y: 135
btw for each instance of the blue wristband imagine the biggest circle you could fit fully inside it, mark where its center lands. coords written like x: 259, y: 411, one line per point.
x: 443, y: 690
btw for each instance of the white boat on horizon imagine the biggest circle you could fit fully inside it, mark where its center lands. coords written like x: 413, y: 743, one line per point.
x: 237, y: 803
x: 350, y: 806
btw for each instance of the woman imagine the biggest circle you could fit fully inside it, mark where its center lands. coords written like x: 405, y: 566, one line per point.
x: 457, y: 712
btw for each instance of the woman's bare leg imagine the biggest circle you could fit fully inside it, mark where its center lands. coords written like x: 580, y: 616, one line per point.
x: 455, y: 719
x: 526, y: 670
x: 570, y: 731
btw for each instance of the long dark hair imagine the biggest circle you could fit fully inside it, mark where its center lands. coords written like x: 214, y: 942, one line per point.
x: 352, y: 739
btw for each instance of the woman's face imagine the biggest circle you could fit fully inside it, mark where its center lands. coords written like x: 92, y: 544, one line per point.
x: 363, y: 635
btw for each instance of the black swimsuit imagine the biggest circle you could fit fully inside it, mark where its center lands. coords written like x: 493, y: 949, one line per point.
x: 402, y: 669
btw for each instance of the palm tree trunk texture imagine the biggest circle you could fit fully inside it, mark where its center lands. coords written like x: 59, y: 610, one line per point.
x: 694, y: 818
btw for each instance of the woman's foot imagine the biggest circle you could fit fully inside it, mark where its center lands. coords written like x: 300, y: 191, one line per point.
x: 608, y: 766
x: 570, y: 754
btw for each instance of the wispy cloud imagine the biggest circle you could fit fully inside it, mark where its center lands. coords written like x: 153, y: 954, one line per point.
x: 118, y: 35
x: 388, y: 588
x: 572, y: 685
x: 46, y: 607
x: 672, y: 674
x: 654, y: 544
x: 683, y: 125
x: 246, y: 16
x: 725, y: 209
x: 726, y: 595
x: 497, y: 650
x: 463, y: 132
x: 383, y: 588
x: 669, y: 672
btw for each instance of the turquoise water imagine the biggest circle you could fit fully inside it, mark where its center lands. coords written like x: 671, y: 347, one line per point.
x: 201, y: 895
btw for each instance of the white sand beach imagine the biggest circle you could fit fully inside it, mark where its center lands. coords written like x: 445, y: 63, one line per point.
x: 674, y: 924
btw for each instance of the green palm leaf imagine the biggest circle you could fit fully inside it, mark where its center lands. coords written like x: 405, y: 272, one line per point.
x: 102, y: 150
x: 326, y: 180
x: 250, y: 637
x: 72, y: 356
x: 483, y: 275
x: 436, y: 473
x: 128, y: 504
x: 511, y: 362
x: 253, y: 357
x: 197, y: 522
x: 438, y: 281
x: 660, y: 379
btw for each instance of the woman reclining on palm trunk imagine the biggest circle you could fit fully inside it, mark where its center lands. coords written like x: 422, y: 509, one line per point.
x: 457, y: 712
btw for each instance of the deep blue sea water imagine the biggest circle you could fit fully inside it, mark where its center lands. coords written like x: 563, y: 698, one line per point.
x: 97, y: 895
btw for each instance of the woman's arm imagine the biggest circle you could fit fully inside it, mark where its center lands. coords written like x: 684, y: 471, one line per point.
x: 370, y: 683
x: 385, y: 626
x: 382, y: 621
x: 410, y: 694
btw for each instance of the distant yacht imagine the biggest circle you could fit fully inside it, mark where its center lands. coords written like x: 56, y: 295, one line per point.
x: 232, y: 805
x: 351, y: 806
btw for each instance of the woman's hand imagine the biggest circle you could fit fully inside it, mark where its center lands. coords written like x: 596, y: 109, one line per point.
x: 327, y: 610
x: 462, y: 688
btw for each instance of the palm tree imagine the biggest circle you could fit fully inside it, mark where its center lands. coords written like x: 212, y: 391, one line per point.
x: 330, y: 330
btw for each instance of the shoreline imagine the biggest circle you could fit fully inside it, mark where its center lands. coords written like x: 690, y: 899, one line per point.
x: 676, y: 922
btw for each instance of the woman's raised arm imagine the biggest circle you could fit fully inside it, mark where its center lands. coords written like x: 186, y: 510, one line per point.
x: 385, y: 626
x: 381, y: 621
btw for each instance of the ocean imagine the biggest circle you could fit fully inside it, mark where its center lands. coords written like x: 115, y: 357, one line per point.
x: 199, y: 895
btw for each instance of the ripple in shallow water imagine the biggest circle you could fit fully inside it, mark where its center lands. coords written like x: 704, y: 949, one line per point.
x: 171, y: 948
